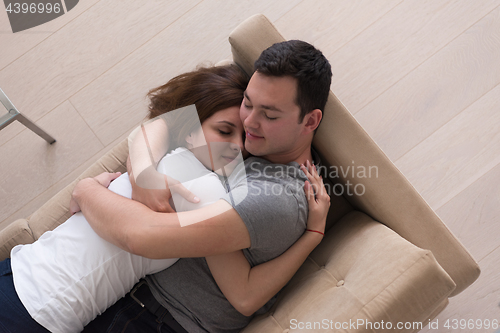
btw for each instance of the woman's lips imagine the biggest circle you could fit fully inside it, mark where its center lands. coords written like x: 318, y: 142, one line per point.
x: 229, y: 158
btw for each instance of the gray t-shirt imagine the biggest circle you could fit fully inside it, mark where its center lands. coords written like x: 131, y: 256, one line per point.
x: 270, y: 200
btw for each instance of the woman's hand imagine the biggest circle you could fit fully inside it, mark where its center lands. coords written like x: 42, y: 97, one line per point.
x: 318, y: 199
x: 155, y: 189
x: 152, y: 190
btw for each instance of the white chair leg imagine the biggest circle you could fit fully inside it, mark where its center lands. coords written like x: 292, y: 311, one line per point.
x: 14, y: 114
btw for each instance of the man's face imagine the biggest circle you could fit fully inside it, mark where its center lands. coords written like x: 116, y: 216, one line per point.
x: 270, y: 117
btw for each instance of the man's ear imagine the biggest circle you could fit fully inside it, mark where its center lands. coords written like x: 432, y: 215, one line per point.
x: 312, y: 120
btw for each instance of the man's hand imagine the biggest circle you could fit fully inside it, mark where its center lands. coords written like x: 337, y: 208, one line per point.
x: 104, y: 179
x: 155, y: 189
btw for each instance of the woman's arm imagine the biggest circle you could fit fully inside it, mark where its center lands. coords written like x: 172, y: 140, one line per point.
x: 248, y: 289
x: 148, y: 146
x: 149, y: 186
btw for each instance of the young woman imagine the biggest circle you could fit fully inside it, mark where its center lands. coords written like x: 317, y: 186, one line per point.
x: 70, y: 275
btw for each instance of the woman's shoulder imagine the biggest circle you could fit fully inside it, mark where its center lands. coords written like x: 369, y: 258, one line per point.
x: 182, y: 165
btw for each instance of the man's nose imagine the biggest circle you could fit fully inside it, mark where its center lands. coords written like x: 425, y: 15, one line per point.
x: 251, y: 120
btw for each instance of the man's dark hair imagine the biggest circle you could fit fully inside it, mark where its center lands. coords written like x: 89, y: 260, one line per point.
x: 304, y: 62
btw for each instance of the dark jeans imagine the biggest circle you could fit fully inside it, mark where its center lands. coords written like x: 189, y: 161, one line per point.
x: 127, y: 316
x: 13, y: 314
x: 124, y: 316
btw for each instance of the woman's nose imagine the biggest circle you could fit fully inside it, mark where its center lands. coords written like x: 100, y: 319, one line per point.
x: 237, y: 144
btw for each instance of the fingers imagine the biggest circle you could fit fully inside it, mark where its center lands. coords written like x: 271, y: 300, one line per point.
x: 177, y: 187
x: 115, y: 175
x: 105, y: 178
x: 312, y: 175
x: 309, y: 191
x: 311, y: 172
x: 184, y: 192
x: 73, y: 206
x: 316, y: 182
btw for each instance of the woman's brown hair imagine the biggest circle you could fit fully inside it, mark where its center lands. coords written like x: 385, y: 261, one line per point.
x: 210, y: 89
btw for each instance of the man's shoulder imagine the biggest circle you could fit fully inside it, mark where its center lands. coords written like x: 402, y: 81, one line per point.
x: 261, y: 169
x: 262, y: 183
x: 270, y: 200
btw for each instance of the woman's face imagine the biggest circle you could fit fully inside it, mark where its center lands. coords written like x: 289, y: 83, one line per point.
x: 219, y: 143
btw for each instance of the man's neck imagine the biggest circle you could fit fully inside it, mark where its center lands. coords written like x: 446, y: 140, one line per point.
x: 300, y: 156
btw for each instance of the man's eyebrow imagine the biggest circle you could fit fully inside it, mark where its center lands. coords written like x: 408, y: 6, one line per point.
x: 227, y: 122
x: 266, y: 107
x: 271, y: 108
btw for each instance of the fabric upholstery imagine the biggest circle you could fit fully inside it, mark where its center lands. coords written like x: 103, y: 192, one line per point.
x: 388, y: 198
x: 362, y: 270
x: 18, y: 232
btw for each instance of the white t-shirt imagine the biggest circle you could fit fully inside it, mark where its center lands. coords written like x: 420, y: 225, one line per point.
x: 70, y: 275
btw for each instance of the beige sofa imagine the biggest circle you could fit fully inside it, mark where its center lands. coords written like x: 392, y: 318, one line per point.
x: 386, y: 260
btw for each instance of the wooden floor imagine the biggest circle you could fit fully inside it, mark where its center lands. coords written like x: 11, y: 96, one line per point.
x: 422, y: 77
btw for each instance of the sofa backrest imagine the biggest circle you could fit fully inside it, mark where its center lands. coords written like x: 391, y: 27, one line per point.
x: 387, y: 196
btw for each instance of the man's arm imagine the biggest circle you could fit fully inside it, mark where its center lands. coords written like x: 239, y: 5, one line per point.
x: 248, y: 289
x: 214, y: 229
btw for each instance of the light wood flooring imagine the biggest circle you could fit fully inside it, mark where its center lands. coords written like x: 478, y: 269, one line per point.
x: 421, y: 76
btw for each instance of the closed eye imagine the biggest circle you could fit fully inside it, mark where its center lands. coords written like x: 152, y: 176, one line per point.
x: 270, y: 118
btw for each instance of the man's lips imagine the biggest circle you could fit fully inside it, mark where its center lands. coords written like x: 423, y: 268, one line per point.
x: 253, y: 136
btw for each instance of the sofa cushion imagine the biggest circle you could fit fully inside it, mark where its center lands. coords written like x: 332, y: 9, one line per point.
x: 361, y: 270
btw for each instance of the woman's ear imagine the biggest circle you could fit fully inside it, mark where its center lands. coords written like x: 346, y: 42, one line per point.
x: 189, y: 141
x: 195, y: 139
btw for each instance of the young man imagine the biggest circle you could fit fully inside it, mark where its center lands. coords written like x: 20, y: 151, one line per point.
x: 281, y: 109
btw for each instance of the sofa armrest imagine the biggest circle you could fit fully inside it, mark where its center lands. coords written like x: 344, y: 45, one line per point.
x: 56, y: 210
x: 362, y: 271
x: 18, y: 232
